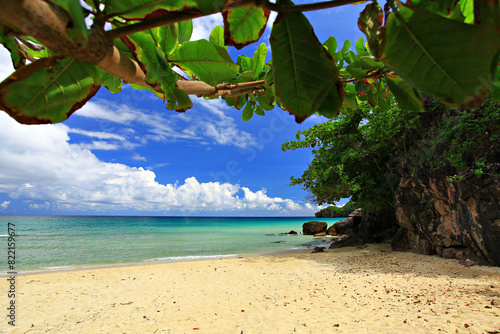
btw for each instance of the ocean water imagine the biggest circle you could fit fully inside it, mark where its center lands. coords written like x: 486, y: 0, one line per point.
x: 59, y: 242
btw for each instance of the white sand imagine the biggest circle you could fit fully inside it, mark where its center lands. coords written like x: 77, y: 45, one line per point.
x: 350, y: 290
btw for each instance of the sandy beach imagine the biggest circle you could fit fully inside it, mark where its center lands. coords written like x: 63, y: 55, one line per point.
x: 350, y: 290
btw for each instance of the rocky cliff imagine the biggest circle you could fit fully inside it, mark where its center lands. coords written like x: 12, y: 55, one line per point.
x: 452, y: 219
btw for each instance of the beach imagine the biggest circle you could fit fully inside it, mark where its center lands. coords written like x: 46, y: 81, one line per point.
x: 348, y: 290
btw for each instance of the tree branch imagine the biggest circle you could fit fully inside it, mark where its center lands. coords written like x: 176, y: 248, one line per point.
x: 159, y: 21
x: 289, y: 8
x: 174, y: 17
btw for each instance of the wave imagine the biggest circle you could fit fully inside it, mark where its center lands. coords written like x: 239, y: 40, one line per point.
x: 192, y: 257
x: 4, y: 235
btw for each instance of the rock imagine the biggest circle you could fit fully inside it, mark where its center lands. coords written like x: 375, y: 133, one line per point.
x: 269, y: 234
x: 279, y: 242
x: 318, y: 250
x: 364, y: 227
x: 349, y: 225
x: 292, y: 232
x: 331, y: 230
x: 321, y: 234
x: 453, y: 219
x: 313, y: 227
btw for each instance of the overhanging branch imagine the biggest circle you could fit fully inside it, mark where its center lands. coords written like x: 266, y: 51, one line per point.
x: 174, y: 17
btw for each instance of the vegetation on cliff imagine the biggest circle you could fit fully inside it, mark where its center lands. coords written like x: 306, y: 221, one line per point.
x: 334, y: 211
x: 364, y: 154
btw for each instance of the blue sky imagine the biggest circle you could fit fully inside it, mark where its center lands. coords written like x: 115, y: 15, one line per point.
x: 126, y: 154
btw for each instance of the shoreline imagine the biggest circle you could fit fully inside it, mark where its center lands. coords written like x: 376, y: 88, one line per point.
x: 145, y: 263
x: 346, y: 290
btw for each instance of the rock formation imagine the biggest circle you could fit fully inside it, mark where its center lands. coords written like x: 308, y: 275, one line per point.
x: 454, y: 220
x: 314, y: 227
x: 363, y: 227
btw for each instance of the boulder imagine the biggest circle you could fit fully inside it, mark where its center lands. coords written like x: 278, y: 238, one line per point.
x: 331, y: 230
x: 350, y: 225
x: 321, y: 234
x: 314, y: 227
x: 292, y: 232
x: 318, y: 250
x: 363, y: 227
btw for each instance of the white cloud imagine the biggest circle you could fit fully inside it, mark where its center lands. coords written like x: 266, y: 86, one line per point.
x: 208, y: 120
x: 4, y: 205
x: 40, y: 166
x: 139, y: 157
x: 202, y: 27
x: 97, y: 134
x: 6, y: 67
x: 99, y: 145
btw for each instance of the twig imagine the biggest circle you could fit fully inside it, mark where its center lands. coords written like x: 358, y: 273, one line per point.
x: 32, y: 46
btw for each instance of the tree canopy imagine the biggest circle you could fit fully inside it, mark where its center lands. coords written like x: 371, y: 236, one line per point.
x: 364, y: 154
x: 448, y: 49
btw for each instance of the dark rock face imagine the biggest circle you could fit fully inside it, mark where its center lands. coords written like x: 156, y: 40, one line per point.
x: 454, y: 220
x: 349, y: 226
x: 364, y: 227
x: 314, y: 227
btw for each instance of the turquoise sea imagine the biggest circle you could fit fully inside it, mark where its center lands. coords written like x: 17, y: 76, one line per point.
x: 65, y: 242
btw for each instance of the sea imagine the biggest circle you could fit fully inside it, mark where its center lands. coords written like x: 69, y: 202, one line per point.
x: 49, y: 243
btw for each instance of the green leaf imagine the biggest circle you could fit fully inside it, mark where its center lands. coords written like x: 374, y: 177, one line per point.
x: 345, y: 47
x: 245, y: 63
x: 49, y: 90
x: 259, y: 58
x: 217, y: 37
x: 259, y: 111
x: 331, y: 45
x: 495, y: 86
x: 17, y: 55
x: 304, y: 72
x: 361, y: 48
x: 445, y: 8
x: 208, y: 62
x: 247, y: 112
x: 383, y: 98
x: 405, y: 94
x: 77, y: 30
x: 370, y: 22
x: 243, y: 26
x: 140, y: 9
x: 143, y: 46
x: 166, y: 37
x: 444, y: 58
x: 266, y: 101
x: 467, y: 9
x: 185, y: 31
x: 112, y: 83
x: 361, y: 67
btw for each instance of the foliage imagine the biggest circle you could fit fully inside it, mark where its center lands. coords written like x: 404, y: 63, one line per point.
x: 334, y: 211
x: 448, y: 49
x: 363, y: 155
x: 352, y: 156
x: 466, y: 141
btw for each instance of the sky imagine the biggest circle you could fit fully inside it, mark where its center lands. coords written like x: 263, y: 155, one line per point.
x: 126, y: 154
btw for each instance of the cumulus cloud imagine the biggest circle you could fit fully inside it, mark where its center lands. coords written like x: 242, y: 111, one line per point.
x: 39, y: 165
x: 208, y: 120
x: 202, y: 27
x: 4, y: 205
